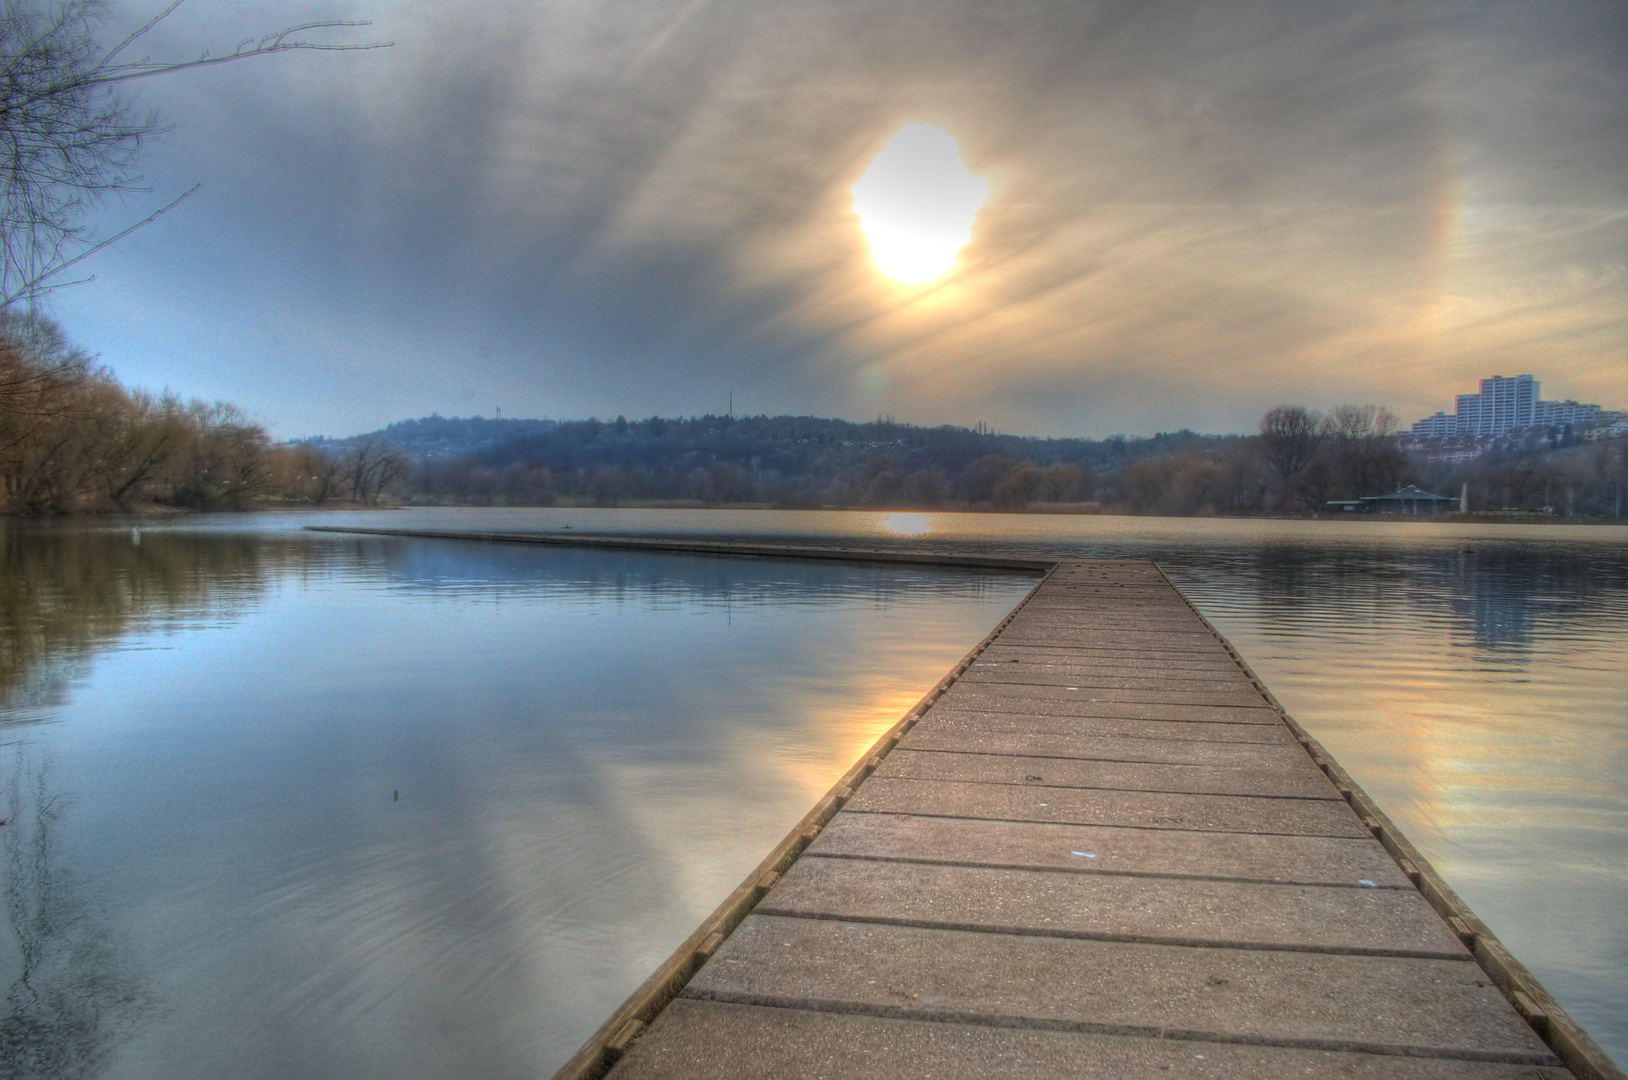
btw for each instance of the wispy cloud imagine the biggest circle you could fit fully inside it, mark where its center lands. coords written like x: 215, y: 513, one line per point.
x: 1195, y: 211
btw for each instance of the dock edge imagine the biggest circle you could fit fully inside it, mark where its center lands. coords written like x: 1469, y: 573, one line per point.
x: 1571, y: 1044
x: 606, y: 1045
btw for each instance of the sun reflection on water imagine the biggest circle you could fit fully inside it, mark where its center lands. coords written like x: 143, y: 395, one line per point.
x: 902, y: 524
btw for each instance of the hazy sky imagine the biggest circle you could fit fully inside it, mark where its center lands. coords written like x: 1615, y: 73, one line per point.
x: 1195, y: 211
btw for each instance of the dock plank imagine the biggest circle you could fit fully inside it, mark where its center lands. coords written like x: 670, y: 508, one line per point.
x: 1035, y: 675
x: 1242, y: 696
x: 1298, y: 782
x: 947, y: 735
x: 1138, y: 809
x: 1383, y: 1004
x: 947, y: 717
x: 709, y: 1040
x: 1061, y: 660
x: 1156, y: 643
x: 1115, y: 907
x: 1103, y: 849
x: 1083, y: 707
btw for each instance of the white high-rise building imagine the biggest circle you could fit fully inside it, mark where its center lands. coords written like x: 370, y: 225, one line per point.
x: 1502, y: 406
x: 1507, y: 404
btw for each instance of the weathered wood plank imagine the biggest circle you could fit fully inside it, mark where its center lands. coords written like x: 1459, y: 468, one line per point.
x: 1136, y: 809
x: 709, y: 1040
x: 1099, y: 849
x: 1116, y: 907
x: 1056, y: 701
x: 1298, y: 781
x: 1022, y: 739
x: 1376, y: 1004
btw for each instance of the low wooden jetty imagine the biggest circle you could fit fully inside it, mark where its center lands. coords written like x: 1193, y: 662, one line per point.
x: 1098, y: 848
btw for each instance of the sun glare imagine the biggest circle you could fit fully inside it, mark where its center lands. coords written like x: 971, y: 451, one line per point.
x: 900, y: 524
x: 916, y: 204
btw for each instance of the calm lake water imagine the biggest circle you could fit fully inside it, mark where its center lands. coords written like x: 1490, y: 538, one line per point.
x: 287, y: 804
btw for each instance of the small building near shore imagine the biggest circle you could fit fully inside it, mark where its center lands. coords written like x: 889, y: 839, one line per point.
x: 1405, y: 500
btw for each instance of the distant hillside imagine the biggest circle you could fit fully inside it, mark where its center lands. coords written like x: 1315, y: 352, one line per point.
x: 785, y: 443
x: 785, y: 460
x: 442, y: 436
x: 808, y: 461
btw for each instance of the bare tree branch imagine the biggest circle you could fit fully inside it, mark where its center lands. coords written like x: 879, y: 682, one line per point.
x: 32, y: 286
x: 107, y: 72
x: 67, y: 137
x: 1290, y: 436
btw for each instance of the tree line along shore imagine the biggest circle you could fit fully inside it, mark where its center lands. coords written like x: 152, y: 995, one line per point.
x: 73, y: 439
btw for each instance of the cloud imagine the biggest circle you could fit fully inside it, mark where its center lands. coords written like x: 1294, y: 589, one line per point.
x: 1194, y: 211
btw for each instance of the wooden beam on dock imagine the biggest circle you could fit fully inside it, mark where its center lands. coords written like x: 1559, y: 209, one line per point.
x: 727, y: 549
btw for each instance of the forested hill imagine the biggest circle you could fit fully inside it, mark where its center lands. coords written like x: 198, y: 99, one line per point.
x: 806, y: 461
x: 785, y: 460
x: 792, y: 445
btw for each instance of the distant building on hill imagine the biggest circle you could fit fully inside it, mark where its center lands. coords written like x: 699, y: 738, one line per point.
x: 1502, y: 406
x: 1581, y: 417
x: 1507, y: 404
x: 1617, y: 429
x: 1436, y: 426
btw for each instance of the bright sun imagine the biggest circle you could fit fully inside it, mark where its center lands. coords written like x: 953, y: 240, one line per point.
x: 916, y: 204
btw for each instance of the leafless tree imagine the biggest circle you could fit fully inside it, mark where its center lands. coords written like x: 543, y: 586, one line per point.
x: 1290, y: 436
x: 371, y: 468
x: 68, y: 138
x: 1365, y: 454
x: 137, y: 442
x: 327, y: 474
x: 36, y: 365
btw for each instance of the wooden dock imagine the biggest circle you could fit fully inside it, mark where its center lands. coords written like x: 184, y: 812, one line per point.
x: 1099, y: 850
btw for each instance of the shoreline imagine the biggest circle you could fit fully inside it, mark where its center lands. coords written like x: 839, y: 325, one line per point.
x: 1474, y: 517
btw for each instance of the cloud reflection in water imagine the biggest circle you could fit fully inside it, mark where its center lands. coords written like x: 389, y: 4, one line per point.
x: 590, y: 749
